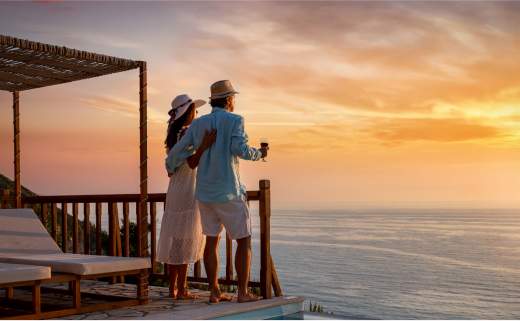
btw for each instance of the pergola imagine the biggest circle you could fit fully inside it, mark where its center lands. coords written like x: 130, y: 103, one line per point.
x: 27, y: 65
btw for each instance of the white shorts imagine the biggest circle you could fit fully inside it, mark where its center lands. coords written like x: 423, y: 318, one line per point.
x: 233, y: 215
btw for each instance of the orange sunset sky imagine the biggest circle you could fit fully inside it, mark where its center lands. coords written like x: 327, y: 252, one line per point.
x: 373, y: 104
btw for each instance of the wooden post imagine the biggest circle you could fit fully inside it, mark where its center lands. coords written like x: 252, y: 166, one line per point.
x: 16, y: 126
x: 265, y: 239
x: 142, y: 215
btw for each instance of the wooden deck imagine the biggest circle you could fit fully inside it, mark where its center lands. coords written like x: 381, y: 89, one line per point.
x: 161, y: 307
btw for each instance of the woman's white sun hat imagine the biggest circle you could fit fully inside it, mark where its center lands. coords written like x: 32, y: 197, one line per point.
x: 181, y: 103
x: 222, y: 89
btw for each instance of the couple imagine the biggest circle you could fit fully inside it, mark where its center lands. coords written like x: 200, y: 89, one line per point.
x: 205, y: 194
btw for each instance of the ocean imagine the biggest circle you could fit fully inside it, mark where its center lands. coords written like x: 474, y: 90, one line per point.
x: 400, y: 264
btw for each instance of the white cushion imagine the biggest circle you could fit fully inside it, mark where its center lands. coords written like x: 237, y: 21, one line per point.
x: 24, y: 240
x: 80, y: 264
x: 10, y: 273
x: 21, y: 231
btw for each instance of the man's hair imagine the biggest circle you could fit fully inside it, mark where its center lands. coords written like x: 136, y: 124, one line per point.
x: 219, y: 102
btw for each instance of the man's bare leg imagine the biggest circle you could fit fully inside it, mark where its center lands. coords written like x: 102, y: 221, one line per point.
x: 243, y: 267
x: 211, y: 266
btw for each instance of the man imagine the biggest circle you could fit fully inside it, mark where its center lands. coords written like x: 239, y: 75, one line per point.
x: 220, y: 194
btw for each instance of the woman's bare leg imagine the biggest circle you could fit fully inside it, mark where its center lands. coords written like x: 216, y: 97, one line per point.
x: 182, y: 284
x: 174, y: 272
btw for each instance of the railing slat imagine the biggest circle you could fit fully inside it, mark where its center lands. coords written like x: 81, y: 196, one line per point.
x: 75, y: 228
x: 54, y: 221
x: 64, y: 227
x: 111, y: 230
x: 45, y: 214
x: 86, y: 228
x: 5, y: 199
x: 126, y: 228
x: 99, y: 212
x: 197, y: 269
x: 153, y: 236
x: 229, y: 258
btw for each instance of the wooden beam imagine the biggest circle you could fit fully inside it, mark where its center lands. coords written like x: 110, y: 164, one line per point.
x: 16, y: 127
x: 106, y: 198
x: 142, y: 219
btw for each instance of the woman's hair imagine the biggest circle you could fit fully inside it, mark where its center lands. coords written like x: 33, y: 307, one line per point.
x: 219, y: 102
x: 175, y: 127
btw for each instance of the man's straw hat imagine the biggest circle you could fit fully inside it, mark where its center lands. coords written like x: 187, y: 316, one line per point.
x: 222, y: 89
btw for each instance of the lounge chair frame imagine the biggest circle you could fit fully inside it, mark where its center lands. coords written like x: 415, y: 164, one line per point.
x: 35, y: 286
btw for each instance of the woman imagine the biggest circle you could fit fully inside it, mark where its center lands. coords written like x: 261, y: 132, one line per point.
x: 181, y: 241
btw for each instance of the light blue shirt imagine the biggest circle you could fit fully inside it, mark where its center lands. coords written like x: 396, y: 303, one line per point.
x: 218, y: 177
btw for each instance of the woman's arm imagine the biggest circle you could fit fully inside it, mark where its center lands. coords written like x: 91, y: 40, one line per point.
x: 207, y: 141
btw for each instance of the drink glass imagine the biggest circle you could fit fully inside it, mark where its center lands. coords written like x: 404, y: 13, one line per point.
x: 264, y: 143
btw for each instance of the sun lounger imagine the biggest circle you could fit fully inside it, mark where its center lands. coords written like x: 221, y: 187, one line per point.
x: 24, y: 240
x: 16, y: 275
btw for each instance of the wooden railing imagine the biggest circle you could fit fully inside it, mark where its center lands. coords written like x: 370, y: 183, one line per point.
x: 54, y: 212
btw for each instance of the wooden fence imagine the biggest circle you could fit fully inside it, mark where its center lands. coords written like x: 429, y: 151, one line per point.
x: 86, y: 236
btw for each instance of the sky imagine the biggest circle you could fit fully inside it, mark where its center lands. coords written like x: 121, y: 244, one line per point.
x: 365, y: 104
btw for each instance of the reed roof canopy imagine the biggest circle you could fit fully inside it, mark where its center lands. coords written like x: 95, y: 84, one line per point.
x: 28, y: 64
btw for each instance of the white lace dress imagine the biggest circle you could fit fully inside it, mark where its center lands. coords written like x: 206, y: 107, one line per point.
x: 181, y: 240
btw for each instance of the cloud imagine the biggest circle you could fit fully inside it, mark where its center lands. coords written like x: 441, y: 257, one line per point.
x: 436, y: 130
x: 122, y: 106
x: 392, y: 57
